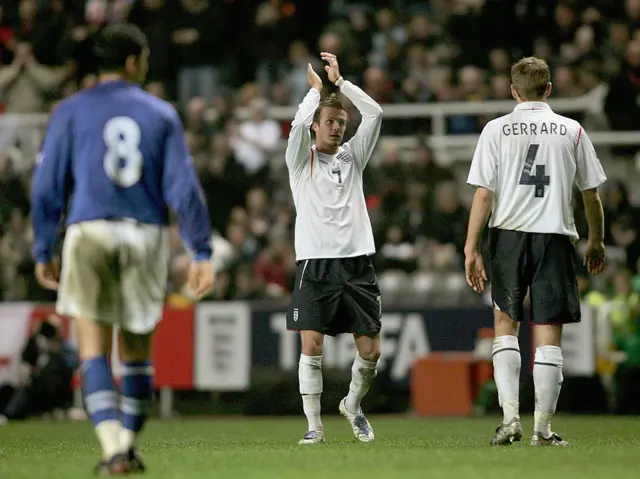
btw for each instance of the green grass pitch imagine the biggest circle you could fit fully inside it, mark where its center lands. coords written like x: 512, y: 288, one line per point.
x: 405, y: 447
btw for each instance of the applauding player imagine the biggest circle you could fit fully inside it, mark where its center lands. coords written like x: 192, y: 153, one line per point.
x: 336, y: 289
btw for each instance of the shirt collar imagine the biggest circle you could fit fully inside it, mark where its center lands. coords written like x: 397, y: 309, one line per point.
x: 533, y: 106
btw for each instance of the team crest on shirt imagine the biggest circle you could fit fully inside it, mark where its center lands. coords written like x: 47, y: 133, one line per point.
x: 344, y: 157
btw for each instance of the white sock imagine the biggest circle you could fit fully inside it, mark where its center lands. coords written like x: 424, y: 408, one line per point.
x: 506, y: 372
x: 108, y: 433
x: 310, y: 379
x: 127, y: 439
x: 547, y: 379
x: 362, y: 374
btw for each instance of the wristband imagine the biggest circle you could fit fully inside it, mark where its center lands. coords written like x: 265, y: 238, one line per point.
x: 339, y: 81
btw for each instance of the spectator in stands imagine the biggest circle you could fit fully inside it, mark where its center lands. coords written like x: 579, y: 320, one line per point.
x: 246, y: 286
x: 593, y: 85
x: 621, y: 104
x: 276, y: 268
x: 254, y: 141
x: 50, y: 360
x: 448, y: 217
x: 276, y: 24
x: 377, y: 85
x: 500, y: 88
x: 26, y: 84
x: 616, y: 204
x: 397, y: 253
x: 12, y: 192
x: 199, y: 36
x: 223, y: 181
x: 245, y: 246
x: 154, y: 18
x: 15, y: 253
x: 425, y: 169
x: 258, y: 214
x: 296, y: 77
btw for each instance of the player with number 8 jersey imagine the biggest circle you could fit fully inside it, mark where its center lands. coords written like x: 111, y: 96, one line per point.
x: 525, y: 166
x: 117, y: 157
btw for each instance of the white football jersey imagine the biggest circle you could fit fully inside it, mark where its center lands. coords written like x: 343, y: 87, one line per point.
x: 530, y: 159
x: 332, y: 220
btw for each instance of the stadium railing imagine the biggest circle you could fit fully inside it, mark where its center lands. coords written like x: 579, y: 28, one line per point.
x: 28, y: 129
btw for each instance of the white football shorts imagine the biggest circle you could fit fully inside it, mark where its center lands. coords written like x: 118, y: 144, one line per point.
x: 115, y: 272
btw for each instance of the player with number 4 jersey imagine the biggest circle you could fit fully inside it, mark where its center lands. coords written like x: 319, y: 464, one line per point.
x: 525, y: 167
x: 116, y: 157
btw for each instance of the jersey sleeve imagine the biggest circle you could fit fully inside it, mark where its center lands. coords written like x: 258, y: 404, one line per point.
x: 52, y: 181
x: 589, y: 171
x: 299, y: 142
x: 364, y: 141
x: 183, y: 193
x: 484, y: 165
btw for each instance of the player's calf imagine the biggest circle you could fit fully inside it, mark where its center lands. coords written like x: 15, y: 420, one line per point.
x: 101, y: 403
x: 136, y: 388
x: 310, y: 379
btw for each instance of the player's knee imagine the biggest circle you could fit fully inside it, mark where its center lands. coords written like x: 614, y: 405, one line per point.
x: 369, y: 350
x: 135, y: 347
x: 311, y: 343
x: 94, y: 339
x: 548, y: 334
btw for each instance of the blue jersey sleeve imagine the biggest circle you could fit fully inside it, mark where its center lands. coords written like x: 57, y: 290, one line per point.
x: 183, y: 193
x: 51, y: 184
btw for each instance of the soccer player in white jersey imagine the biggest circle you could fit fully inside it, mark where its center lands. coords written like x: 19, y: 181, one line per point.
x: 336, y: 289
x: 524, y: 168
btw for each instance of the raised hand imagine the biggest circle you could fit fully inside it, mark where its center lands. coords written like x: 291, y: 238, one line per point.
x: 333, y: 70
x: 313, y: 78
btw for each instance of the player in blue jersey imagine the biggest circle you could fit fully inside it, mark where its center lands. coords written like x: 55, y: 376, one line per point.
x: 120, y: 156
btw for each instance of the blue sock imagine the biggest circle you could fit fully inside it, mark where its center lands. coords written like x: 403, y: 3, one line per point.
x: 98, y: 390
x: 136, y: 388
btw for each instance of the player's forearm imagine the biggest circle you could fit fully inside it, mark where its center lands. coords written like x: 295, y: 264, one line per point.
x: 187, y: 201
x: 366, y: 105
x: 478, y: 218
x: 595, y: 215
x: 46, y: 218
x: 307, y: 108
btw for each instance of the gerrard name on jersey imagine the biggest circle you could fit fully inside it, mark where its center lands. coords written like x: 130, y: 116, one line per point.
x: 544, y: 128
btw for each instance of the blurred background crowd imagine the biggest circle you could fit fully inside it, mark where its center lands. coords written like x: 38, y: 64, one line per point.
x: 211, y: 57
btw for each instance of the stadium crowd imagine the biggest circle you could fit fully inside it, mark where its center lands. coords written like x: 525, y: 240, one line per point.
x: 210, y: 57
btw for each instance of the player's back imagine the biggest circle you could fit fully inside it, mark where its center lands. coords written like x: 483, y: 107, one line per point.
x: 118, y: 139
x: 536, y: 151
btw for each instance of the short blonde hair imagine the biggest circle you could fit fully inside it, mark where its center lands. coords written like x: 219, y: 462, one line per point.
x: 530, y: 77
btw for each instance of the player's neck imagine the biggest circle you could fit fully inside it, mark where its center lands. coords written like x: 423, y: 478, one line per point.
x: 111, y: 77
x: 327, y: 150
x: 533, y: 100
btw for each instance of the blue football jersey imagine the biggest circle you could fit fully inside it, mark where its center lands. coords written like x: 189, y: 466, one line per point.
x: 114, y: 152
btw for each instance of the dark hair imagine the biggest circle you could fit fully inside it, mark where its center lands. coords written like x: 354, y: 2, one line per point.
x: 116, y: 43
x: 332, y: 101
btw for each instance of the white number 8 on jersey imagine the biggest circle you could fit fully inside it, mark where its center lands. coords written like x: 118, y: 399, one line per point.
x: 123, y: 160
